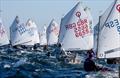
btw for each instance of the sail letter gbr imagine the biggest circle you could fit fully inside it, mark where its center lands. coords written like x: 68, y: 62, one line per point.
x: 80, y: 27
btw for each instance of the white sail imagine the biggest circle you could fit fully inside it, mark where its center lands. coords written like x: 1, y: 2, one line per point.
x: 36, y: 36
x: 3, y: 34
x: 52, y: 33
x: 32, y: 29
x: 43, y: 39
x: 18, y: 33
x: 109, y: 32
x: 75, y: 32
x: 91, y: 25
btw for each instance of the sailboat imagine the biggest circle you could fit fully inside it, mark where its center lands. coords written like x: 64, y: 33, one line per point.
x: 109, y: 32
x: 32, y: 29
x: 43, y: 38
x: 52, y: 33
x: 75, y: 32
x: 3, y: 35
x: 19, y: 35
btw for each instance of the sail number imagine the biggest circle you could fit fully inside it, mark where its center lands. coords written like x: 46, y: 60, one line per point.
x: 2, y: 31
x: 80, y: 27
x: 114, y: 23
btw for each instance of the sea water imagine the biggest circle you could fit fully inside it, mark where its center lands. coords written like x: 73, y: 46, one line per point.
x: 35, y: 64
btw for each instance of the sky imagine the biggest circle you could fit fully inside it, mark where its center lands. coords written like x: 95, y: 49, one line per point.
x: 43, y: 11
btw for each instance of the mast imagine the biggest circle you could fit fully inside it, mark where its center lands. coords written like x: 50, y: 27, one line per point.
x: 109, y: 14
x: 98, y: 28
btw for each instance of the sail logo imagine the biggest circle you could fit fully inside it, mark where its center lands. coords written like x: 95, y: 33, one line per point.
x: 80, y: 27
x: 114, y: 23
x: 2, y: 31
x: 21, y: 29
x: 78, y: 14
x: 54, y: 30
x: 118, y: 7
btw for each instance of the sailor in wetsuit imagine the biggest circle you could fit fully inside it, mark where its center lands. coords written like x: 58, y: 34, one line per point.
x: 89, y: 64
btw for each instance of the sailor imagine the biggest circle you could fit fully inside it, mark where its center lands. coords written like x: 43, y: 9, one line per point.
x: 74, y: 56
x: 58, y: 50
x: 89, y: 64
x: 48, y: 54
x: 35, y: 46
x: 45, y: 48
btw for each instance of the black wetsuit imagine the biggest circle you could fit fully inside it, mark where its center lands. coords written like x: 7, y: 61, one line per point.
x: 89, y: 65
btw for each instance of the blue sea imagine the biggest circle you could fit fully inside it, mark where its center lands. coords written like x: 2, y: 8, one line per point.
x: 36, y: 64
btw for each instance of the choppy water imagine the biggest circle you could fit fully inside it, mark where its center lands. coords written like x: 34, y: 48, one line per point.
x: 35, y: 64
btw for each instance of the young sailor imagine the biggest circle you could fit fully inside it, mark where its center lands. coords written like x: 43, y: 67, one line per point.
x: 58, y: 50
x: 89, y: 64
x: 45, y: 48
x: 60, y: 53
